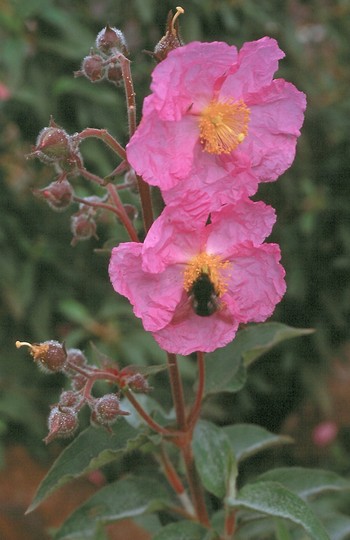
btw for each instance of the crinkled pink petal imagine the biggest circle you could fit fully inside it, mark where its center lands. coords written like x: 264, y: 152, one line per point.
x: 186, y: 78
x: 175, y: 236
x: 246, y: 220
x: 255, y: 282
x: 257, y: 62
x: 223, y: 180
x: 154, y: 296
x: 197, y: 333
x: 277, y: 114
x: 160, y: 151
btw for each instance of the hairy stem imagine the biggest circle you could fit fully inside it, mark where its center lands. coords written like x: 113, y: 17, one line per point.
x: 123, y: 216
x: 152, y: 423
x: 194, y: 414
x: 104, y: 136
x: 185, y: 441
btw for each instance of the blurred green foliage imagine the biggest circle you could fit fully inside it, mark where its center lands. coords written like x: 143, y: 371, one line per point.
x: 50, y: 290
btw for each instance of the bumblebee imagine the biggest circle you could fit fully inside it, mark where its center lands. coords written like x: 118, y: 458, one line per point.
x: 203, y: 296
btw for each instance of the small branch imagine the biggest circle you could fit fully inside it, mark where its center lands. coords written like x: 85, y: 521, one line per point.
x: 230, y: 523
x: 184, y: 442
x: 194, y: 414
x: 102, y: 205
x: 195, y: 485
x: 175, y: 482
x: 146, y: 202
x: 123, y: 216
x: 92, y: 177
x: 129, y: 92
x: 144, y: 189
x: 104, y: 136
x: 177, y: 391
x: 152, y: 424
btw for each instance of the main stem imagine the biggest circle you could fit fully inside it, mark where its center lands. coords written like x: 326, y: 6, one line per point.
x: 184, y: 442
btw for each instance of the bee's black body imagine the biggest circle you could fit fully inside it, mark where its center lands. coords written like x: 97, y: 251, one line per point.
x: 203, y: 296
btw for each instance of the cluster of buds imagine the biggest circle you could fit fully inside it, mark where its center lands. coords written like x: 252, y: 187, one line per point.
x: 52, y: 357
x: 105, y: 63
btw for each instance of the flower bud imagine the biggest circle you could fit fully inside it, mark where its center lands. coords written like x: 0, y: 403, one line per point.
x: 62, y: 423
x: 133, y: 380
x: 78, y: 382
x: 58, y: 194
x: 171, y: 40
x: 68, y: 398
x: 111, y: 39
x: 75, y: 357
x: 52, y: 144
x: 106, y: 410
x: 83, y: 227
x: 92, y: 68
x: 114, y: 74
x: 50, y: 355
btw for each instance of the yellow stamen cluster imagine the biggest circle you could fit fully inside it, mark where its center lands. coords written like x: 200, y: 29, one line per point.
x: 223, y: 126
x: 208, y: 264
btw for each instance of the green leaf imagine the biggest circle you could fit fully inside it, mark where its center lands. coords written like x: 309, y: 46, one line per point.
x: 306, y: 482
x: 256, y: 340
x: 214, y: 458
x: 273, y: 499
x: 126, y: 498
x: 90, y: 450
x: 183, y: 530
x: 249, y: 439
x: 338, y: 526
x: 225, y: 368
x: 224, y: 373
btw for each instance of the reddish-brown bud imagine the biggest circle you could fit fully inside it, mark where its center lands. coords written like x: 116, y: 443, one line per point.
x: 92, y: 68
x: 171, y: 40
x: 111, y: 40
x: 50, y: 355
x: 133, y: 380
x: 106, y: 409
x: 62, y: 423
x: 138, y: 383
x: 52, y: 144
x: 68, y: 398
x: 76, y: 357
x: 78, y: 382
x: 58, y: 194
x: 83, y: 227
x: 114, y: 74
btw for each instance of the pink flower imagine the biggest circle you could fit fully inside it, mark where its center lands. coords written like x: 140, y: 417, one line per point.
x: 218, y: 119
x: 192, y: 282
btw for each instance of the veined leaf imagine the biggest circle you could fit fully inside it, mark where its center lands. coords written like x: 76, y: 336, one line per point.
x: 226, y: 368
x: 126, y: 498
x: 90, y: 450
x: 306, y: 482
x: 214, y: 458
x: 273, y: 499
x: 249, y: 439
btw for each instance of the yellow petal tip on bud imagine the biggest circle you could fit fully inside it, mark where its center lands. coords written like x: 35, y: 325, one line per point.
x: 20, y: 344
x: 179, y: 11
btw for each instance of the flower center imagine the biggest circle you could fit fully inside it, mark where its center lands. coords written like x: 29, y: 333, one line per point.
x: 207, y: 264
x: 223, y: 126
